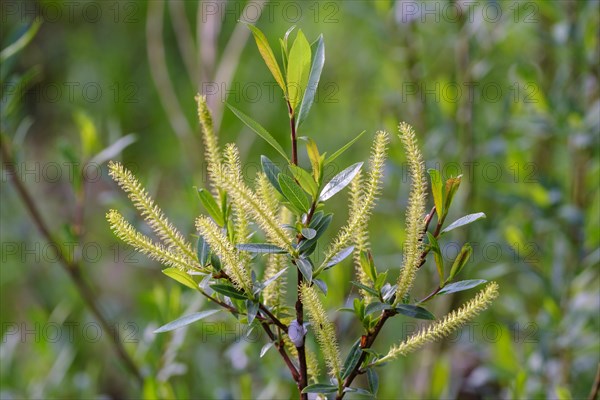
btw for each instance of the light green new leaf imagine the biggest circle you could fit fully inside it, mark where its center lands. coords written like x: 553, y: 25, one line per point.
x: 313, y: 81
x: 180, y: 277
x: 304, y: 179
x: 467, y: 219
x: 452, y: 185
x: 258, y: 129
x: 294, y: 193
x: 298, y: 69
x: 211, y: 206
x: 437, y: 188
x: 183, y: 321
x: 338, y: 153
x: 437, y: 255
x: 460, y: 261
x: 267, y: 54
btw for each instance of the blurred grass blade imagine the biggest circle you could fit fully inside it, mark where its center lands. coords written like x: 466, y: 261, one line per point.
x: 21, y: 42
x: 338, y: 153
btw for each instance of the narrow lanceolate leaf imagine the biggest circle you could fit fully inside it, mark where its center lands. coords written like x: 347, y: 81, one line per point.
x: 261, y: 248
x: 313, y: 81
x: 321, y: 285
x: 437, y: 255
x: 265, y: 348
x: 461, y: 285
x: 351, y: 359
x: 304, y: 179
x: 376, y: 307
x: 211, y: 206
x: 437, y: 190
x: 414, y: 311
x: 273, y: 278
x: 251, y: 310
x: 373, y: 381
x: 305, y: 267
x: 452, y: 185
x: 320, y: 388
x: 271, y: 171
x: 294, y: 193
x: 460, y: 261
x: 298, y: 69
x: 183, y: 321
x: 340, y: 181
x: 267, y: 54
x: 203, y: 251
x: 258, y: 129
x: 229, y: 291
x: 467, y: 219
x: 339, y: 257
x: 365, y: 288
x: 180, y: 277
x: 338, y: 153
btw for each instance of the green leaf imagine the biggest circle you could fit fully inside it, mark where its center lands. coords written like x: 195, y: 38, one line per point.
x: 376, y: 306
x: 338, y: 153
x: 460, y: 261
x: 437, y: 255
x: 267, y: 54
x: 373, y: 380
x: 320, y: 228
x: 88, y: 134
x: 203, y: 251
x: 265, y: 348
x: 273, y: 278
x: 305, y: 267
x: 437, y: 189
x: 309, y: 233
x: 258, y: 129
x: 367, y: 265
x: 183, y: 321
x: 320, y: 388
x: 340, y: 181
x: 339, y: 257
x: 461, y: 285
x: 365, y: 288
x: 298, y: 69
x: 313, y: 81
x: 229, y: 291
x: 211, y: 206
x: 304, y: 179
x: 351, y: 359
x: 294, y: 193
x: 315, y: 160
x: 414, y: 311
x: 261, y: 248
x: 452, y: 185
x: 467, y: 219
x: 180, y: 277
x: 321, y: 285
x: 271, y: 171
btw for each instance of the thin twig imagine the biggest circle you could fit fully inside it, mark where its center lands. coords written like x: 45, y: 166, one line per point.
x: 72, y: 268
x: 596, y: 386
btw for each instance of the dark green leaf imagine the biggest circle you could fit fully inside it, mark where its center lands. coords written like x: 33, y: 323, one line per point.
x: 461, y: 285
x: 258, y: 129
x: 366, y: 288
x: 414, y: 311
x: 340, y: 181
x: 305, y: 266
x: 183, y: 321
x: 273, y: 278
x: 467, y: 219
x: 313, y: 81
x: 305, y: 179
x: 251, y: 310
x: 215, y: 261
x: 320, y: 228
x: 261, y: 248
x: 373, y: 380
x: 338, y: 153
x: 271, y: 171
x: 320, y: 388
x: 229, y: 291
x: 203, y: 251
x: 294, y: 193
x: 321, y: 285
x: 376, y: 306
x: 211, y: 206
x: 351, y: 359
x: 339, y: 257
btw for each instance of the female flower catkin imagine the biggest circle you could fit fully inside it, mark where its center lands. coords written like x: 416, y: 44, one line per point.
x: 445, y: 327
x: 415, y: 212
x: 212, y: 154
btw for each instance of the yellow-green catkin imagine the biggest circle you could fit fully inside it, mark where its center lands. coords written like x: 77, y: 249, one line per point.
x: 415, y: 212
x: 212, y: 154
x: 361, y: 234
x: 151, y: 212
x: 220, y: 244
x: 128, y: 234
x: 323, y: 328
x: 446, y: 326
x: 233, y: 168
x: 359, y: 219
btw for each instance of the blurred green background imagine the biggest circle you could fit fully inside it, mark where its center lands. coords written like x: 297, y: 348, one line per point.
x: 504, y: 93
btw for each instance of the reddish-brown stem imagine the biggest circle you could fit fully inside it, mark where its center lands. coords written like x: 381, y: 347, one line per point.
x: 278, y: 343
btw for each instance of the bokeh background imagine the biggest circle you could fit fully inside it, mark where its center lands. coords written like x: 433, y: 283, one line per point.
x: 504, y: 93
